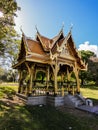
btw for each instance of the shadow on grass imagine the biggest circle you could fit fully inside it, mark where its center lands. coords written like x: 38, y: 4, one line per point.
x: 7, y: 91
x: 48, y: 118
x: 14, y: 117
x: 36, y: 118
x: 39, y: 118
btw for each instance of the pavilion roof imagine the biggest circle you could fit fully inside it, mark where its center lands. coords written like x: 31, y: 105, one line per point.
x: 45, y: 42
x: 39, y: 49
x: 35, y: 47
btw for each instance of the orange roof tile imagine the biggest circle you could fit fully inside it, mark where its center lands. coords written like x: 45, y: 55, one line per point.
x: 35, y: 47
x: 46, y: 42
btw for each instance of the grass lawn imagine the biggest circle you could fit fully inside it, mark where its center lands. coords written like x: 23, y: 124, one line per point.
x: 22, y: 117
x: 90, y: 92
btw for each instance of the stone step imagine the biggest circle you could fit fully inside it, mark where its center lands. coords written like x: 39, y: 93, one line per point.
x: 91, y: 109
x: 77, y: 101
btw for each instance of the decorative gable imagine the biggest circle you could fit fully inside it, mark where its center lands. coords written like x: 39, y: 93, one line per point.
x: 22, y: 52
x: 65, y: 51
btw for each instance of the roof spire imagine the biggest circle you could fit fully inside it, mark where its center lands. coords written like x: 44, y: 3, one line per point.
x: 21, y: 30
x: 71, y: 27
x: 62, y: 26
x: 61, y: 31
x: 36, y: 28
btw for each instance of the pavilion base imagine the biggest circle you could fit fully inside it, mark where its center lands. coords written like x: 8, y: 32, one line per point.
x: 76, y: 101
x: 55, y: 101
x: 46, y: 100
x: 36, y: 100
x: 66, y: 100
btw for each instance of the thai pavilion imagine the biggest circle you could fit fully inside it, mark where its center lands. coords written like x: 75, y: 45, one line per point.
x: 56, y: 57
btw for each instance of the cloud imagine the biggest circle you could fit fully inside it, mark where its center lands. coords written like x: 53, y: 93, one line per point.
x: 86, y: 46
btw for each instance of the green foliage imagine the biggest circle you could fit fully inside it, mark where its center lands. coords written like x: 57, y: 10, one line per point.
x: 1, y: 71
x: 7, y: 31
x: 86, y: 55
x: 6, y: 91
x: 40, y: 76
x: 3, y: 74
x: 8, y: 75
x: 8, y: 8
x: 88, y: 75
x: 9, y: 39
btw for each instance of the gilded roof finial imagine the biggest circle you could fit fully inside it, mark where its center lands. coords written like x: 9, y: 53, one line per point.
x: 62, y: 26
x: 71, y: 27
x: 61, y: 31
x: 21, y: 30
x: 36, y: 28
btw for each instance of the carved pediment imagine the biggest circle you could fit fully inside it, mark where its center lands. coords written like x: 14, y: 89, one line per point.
x: 65, y: 53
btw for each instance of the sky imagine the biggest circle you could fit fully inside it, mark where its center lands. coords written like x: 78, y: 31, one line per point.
x: 50, y: 15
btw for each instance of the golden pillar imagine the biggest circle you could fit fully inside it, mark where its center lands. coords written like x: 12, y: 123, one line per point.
x: 76, y: 72
x: 47, y: 77
x: 20, y: 81
x: 55, y: 72
x: 30, y: 70
x: 68, y: 78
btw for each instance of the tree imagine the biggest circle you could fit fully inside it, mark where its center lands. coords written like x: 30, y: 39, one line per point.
x: 40, y: 75
x: 93, y: 69
x: 8, y: 36
x: 86, y: 75
x: 7, y: 32
x: 86, y: 55
x: 9, y: 39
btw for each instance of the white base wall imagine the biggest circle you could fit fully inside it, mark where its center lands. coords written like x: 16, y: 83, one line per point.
x: 55, y: 101
x: 37, y: 100
x: 46, y: 100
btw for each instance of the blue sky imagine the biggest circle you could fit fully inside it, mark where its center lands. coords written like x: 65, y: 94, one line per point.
x: 49, y: 15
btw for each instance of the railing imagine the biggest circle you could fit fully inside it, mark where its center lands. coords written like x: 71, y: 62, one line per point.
x: 38, y: 91
x: 40, y: 88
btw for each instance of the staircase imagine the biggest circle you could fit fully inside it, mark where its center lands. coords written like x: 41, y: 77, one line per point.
x: 76, y: 100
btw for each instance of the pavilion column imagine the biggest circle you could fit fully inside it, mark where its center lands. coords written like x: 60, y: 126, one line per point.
x: 30, y: 70
x: 20, y: 81
x: 55, y: 72
x: 34, y: 76
x: 47, y: 76
x: 31, y: 77
x: 68, y: 78
x: 55, y: 79
x: 76, y: 71
x: 62, y: 79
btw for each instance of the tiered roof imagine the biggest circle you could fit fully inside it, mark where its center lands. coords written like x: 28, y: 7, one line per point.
x: 39, y: 50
